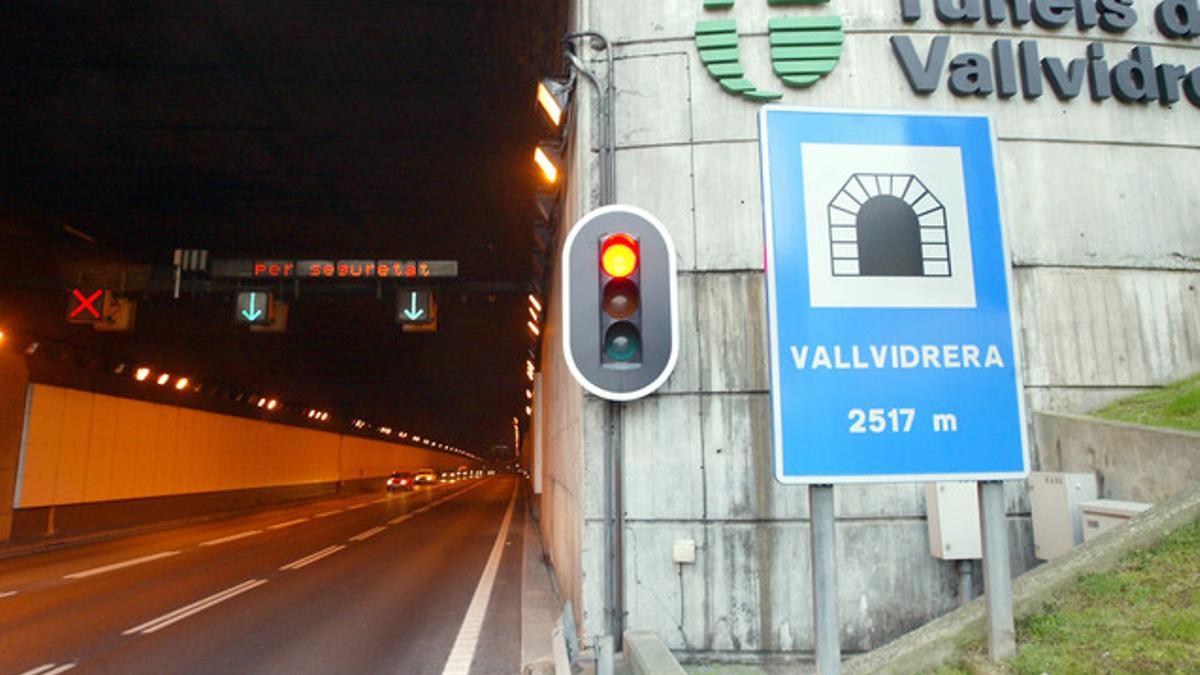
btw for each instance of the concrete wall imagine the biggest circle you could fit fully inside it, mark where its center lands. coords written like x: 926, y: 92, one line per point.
x: 1132, y: 462
x: 81, y: 447
x: 1100, y: 202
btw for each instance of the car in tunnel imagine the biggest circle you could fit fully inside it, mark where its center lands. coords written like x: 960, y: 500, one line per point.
x: 400, y: 480
x: 425, y: 477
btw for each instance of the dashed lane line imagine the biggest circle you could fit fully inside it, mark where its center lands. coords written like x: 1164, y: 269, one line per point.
x: 232, y: 537
x: 310, y: 559
x: 401, y: 519
x: 6, y: 594
x: 121, y: 565
x: 50, y: 669
x: 326, y: 514
x: 289, y: 523
x: 363, y: 536
x: 184, y: 612
x: 357, y: 506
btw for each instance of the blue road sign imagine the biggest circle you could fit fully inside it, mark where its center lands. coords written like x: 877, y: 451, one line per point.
x: 893, y: 349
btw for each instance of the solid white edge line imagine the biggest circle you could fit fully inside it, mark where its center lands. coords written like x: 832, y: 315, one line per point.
x: 463, y: 652
x: 363, y: 536
x: 182, y: 613
x: 232, y: 537
x: 116, y: 566
x: 289, y: 523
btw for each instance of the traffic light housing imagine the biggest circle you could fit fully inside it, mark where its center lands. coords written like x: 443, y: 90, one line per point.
x: 620, y: 318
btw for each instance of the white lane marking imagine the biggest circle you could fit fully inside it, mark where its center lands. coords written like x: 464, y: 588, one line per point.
x: 280, y: 526
x: 423, y: 509
x: 363, y: 536
x: 232, y: 537
x: 182, y: 613
x: 463, y: 652
x: 328, y: 513
x: 380, y: 500
x: 50, y: 669
x: 5, y: 594
x: 401, y: 519
x: 310, y: 559
x: 117, y: 566
x: 356, y: 506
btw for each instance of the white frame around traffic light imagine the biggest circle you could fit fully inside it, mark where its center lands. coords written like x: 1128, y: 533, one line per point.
x: 674, y: 296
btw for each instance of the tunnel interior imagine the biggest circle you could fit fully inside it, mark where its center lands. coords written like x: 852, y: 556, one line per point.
x: 279, y: 131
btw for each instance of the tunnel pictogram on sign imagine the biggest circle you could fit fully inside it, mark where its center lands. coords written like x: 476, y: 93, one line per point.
x: 888, y: 225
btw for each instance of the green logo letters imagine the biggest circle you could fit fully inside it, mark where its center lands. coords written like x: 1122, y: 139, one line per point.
x: 803, y: 49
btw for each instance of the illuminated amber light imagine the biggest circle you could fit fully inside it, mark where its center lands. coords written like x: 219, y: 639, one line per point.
x: 551, y: 106
x: 142, y: 374
x: 181, y: 383
x: 162, y: 379
x: 534, y: 301
x: 533, y: 328
x: 548, y: 169
x: 272, y: 404
x: 619, y: 258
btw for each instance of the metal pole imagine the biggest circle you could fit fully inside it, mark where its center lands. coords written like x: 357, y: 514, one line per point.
x: 823, y: 540
x: 614, y: 458
x: 997, y: 581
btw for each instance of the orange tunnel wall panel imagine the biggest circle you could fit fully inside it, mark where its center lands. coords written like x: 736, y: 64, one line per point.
x: 84, y: 447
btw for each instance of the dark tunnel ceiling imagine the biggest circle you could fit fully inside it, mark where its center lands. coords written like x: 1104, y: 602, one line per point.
x: 391, y: 129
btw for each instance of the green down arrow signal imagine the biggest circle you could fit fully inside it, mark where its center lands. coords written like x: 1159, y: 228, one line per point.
x: 252, y: 314
x: 414, y: 312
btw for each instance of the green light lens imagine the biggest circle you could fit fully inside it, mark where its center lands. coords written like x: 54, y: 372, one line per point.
x: 622, y: 342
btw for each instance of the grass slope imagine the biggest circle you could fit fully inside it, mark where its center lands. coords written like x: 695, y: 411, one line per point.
x: 1143, y: 617
x: 1176, y: 406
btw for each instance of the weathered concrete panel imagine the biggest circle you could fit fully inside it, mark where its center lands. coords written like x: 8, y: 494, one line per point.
x: 659, y: 180
x: 733, y: 332
x: 750, y: 589
x: 1132, y: 462
x: 1108, y: 328
x: 651, y: 101
x: 729, y: 227
x: 664, y: 460
x: 739, y: 465
x: 1057, y: 193
x: 686, y: 376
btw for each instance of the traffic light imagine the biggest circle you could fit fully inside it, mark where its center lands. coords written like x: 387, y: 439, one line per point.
x: 620, y: 310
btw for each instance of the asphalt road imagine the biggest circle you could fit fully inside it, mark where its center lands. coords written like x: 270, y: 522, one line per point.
x: 364, y: 584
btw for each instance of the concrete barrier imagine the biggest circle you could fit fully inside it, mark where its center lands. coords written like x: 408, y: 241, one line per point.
x: 936, y: 642
x: 649, y: 656
x: 1132, y: 462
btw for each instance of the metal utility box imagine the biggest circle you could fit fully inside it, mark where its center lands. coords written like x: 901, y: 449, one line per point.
x: 953, y: 516
x: 1055, y: 499
x: 1101, y: 515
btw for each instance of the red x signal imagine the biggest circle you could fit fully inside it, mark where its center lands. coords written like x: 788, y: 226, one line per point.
x: 83, y: 305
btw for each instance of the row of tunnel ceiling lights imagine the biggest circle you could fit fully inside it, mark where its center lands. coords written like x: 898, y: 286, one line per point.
x: 553, y: 97
x: 182, y: 383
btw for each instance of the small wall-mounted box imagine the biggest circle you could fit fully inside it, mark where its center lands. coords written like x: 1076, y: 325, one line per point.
x: 683, y: 551
x: 953, y: 516
x: 1055, y: 499
x: 1101, y: 515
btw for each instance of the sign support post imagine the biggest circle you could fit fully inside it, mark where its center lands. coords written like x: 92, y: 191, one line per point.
x: 823, y: 544
x: 997, y: 580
